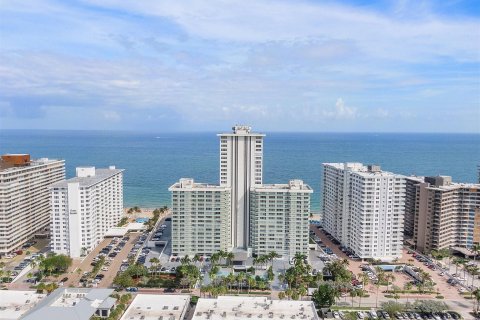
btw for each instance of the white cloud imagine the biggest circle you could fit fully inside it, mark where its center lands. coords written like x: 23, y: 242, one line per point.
x: 111, y: 115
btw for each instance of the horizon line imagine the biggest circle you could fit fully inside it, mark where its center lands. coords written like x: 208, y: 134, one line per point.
x: 268, y: 131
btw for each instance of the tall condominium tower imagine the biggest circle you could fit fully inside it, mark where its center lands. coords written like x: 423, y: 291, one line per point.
x: 446, y: 214
x: 280, y: 218
x: 24, y: 197
x: 241, y: 165
x: 364, y: 209
x: 84, y: 208
x: 410, y: 204
x: 201, y: 223
x: 241, y: 211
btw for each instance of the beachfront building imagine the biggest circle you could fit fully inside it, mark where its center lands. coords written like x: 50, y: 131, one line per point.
x: 241, y: 167
x: 226, y: 210
x: 230, y: 307
x: 411, y: 183
x: 279, y: 218
x: 364, y: 209
x: 24, y: 197
x: 446, y: 214
x: 84, y: 208
x: 201, y: 221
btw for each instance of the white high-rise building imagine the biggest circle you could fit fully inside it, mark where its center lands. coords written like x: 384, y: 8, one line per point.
x: 84, y: 208
x: 280, y: 218
x: 364, y: 209
x: 241, y: 167
x: 201, y: 219
x: 24, y: 197
x: 200, y: 211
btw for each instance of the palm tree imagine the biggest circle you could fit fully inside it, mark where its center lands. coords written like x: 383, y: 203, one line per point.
x: 380, y: 279
x: 476, y: 250
x: 353, y: 294
x: 251, y: 283
x: 389, y: 278
x: 408, y: 286
x: 229, y: 257
x: 273, y: 255
x: 155, y: 264
x: 185, y: 260
x: 196, y: 258
x: 476, y: 293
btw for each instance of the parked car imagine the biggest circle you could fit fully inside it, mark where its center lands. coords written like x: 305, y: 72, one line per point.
x: 131, y: 289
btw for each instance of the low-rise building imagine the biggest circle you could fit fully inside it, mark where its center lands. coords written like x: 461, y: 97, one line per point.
x: 279, y: 218
x: 14, y: 304
x: 73, y: 303
x: 24, y: 198
x: 84, y: 208
x: 157, y: 307
x: 230, y: 307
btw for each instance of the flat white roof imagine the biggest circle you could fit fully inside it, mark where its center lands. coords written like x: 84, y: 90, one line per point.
x: 229, y: 307
x: 13, y: 304
x: 121, y: 231
x: 157, y: 307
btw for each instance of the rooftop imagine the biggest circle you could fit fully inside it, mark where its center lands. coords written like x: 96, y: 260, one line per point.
x: 361, y: 169
x: 8, y: 166
x: 190, y: 184
x: 13, y: 304
x: 292, y: 185
x: 241, y: 130
x: 157, y: 307
x: 229, y: 307
x: 71, y: 303
x: 86, y: 180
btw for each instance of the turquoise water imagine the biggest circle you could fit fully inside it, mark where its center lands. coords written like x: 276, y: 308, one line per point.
x: 154, y: 161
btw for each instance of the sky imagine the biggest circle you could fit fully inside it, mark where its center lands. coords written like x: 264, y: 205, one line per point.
x: 170, y: 65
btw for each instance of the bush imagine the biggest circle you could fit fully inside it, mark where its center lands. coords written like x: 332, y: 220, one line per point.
x: 194, y: 299
x: 439, y: 297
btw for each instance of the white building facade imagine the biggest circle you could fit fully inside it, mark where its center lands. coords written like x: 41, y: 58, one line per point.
x: 201, y: 221
x: 280, y: 218
x: 364, y: 209
x: 207, y: 218
x: 84, y: 208
x: 24, y: 198
x: 241, y: 168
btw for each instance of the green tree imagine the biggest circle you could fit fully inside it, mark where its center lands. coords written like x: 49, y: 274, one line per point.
x: 392, y: 307
x: 429, y: 306
x: 325, y: 295
x: 123, y: 280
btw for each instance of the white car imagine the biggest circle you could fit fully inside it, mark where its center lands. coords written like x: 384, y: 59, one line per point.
x: 9, y: 256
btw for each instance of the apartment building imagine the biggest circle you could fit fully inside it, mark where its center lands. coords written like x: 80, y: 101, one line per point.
x: 84, y: 208
x: 410, y: 204
x: 364, y: 209
x: 241, y: 167
x: 208, y: 218
x: 446, y: 214
x: 201, y: 221
x: 280, y: 218
x: 24, y: 197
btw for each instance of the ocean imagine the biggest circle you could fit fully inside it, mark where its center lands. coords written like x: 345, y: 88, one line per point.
x: 154, y: 161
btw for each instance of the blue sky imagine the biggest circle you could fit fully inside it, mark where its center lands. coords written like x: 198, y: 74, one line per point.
x: 169, y: 65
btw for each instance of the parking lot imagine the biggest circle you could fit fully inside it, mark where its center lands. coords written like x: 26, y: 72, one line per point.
x: 112, y: 263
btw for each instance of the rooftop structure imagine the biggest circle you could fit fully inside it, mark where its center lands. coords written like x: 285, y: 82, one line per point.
x: 14, y: 304
x: 241, y: 308
x: 89, y: 176
x: 157, y: 307
x: 73, y: 303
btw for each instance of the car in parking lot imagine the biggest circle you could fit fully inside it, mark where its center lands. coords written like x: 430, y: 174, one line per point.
x: 169, y: 290
x: 131, y: 289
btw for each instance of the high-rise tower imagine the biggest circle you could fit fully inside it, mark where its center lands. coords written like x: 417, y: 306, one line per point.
x: 241, y: 167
